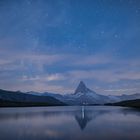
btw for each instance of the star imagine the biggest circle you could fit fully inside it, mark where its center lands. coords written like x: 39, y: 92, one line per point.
x: 116, y: 36
x: 137, y: 11
x: 102, y: 32
x: 28, y: 2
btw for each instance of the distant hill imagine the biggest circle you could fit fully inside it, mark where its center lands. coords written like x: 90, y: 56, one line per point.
x: 127, y: 103
x: 11, y: 98
x: 81, y: 96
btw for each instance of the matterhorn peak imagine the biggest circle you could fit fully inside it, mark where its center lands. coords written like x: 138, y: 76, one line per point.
x: 82, y: 88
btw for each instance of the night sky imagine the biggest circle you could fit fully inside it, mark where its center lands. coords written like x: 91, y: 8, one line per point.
x: 51, y: 45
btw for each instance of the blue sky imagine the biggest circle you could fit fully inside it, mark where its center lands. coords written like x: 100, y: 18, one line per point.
x: 50, y: 45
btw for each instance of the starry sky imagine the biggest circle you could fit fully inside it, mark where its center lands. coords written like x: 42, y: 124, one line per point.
x: 51, y: 45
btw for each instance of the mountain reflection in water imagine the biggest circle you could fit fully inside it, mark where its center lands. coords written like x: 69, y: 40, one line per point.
x: 50, y: 123
x: 84, y: 116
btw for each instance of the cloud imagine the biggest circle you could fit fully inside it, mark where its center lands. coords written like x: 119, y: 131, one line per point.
x: 120, y: 90
x: 44, y: 78
x: 24, y: 68
x: 55, y: 77
x: 24, y: 60
x: 106, y: 75
x: 27, y: 71
x: 91, y: 59
x: 35, y: 85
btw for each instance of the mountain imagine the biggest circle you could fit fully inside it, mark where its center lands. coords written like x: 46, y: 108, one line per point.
x: 127, y: 103
x: 130, y: 97
x: 83, y: 95
x: 23, y: 99
x: 82, y: 88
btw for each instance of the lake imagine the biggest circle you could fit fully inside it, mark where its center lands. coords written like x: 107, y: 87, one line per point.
x: 70, y: 123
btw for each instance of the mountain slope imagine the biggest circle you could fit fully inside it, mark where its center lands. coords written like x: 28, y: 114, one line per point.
x: 16, y: 97
x: 82, y: 88
x: 127, y: 103
x: 81, y: 96
x: 84, y: 95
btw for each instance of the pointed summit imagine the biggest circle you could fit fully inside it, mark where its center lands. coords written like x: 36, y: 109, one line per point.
x: 82, y: 88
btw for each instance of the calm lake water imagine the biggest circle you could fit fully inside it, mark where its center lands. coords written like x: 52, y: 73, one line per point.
x: 70, y: 123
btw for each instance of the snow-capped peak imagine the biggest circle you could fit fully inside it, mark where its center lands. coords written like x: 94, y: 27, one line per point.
x: 82, y: 88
